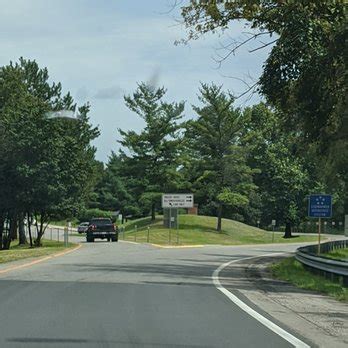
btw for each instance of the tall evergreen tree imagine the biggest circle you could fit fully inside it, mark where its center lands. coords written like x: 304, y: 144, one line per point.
x: 151, y: 158
x: 305, y: 74
x: 223, y: 176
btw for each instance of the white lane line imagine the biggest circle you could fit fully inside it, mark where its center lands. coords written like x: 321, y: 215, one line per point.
x: 264, y: 321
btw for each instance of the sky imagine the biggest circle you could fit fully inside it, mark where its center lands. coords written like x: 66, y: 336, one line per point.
x: 100, y: 49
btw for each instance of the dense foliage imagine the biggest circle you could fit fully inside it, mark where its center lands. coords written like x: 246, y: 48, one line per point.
x: 240, y: 164
x: 256, y: 164
x: 46, y: 164
x: 305, y: 74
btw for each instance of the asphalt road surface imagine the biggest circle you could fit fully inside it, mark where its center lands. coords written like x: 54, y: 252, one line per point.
x: 129, y: 295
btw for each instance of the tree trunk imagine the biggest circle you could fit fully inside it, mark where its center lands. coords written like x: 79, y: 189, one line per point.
x: 40, y: 232
x: 6, y: 239
x: 153, y: 212
x: 2, y: 222
x: 219, y: 216
x: 287, y: 230
x: 13, y: 227
x: 44, y: 219
x: 6, y: 243
x: 29, y: 229
x: 21, y: 230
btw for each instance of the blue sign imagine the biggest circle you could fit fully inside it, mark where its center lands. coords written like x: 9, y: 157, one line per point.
x: 320, y: 206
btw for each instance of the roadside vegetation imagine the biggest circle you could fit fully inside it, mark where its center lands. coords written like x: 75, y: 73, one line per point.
x: 339, y: 254
x: 47, y: 164
x: 293, y: 272
x: 195, y: 229
x: 18, y: 252
x: 62, y: 223
x: 250, y: 164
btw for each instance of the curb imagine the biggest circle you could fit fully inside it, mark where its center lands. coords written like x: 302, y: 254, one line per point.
x: 177, y: 246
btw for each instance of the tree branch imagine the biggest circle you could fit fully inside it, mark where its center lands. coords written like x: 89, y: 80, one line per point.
x: 236, y: 45
x: 263, y: 46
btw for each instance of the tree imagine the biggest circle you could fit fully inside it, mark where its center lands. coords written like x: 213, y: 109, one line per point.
x: 94, y: 200
x: 223, y: 178
x: 112, y: 190
x: 151, y: 159
x: 46, y: 163
x: 304, y: 76
x: 284, y: 179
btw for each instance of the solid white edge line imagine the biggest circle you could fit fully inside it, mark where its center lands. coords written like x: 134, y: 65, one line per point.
x: 260, y: 318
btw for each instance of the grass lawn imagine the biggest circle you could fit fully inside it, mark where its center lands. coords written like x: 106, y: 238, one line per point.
x: 141, y: 223
x: 293, y: 271
x: 339, y: 254
x: 22, y: 252
x: 201, y: 230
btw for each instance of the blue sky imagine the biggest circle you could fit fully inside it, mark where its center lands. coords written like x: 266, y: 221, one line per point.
x: 100, y: 49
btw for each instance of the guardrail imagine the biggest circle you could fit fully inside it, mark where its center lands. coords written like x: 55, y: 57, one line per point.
x: 336, y: 270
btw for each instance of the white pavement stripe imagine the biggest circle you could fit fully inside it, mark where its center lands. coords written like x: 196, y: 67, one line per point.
x: 264, y: 321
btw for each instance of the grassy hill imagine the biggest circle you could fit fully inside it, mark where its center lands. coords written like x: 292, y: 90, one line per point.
x: 195, y: 229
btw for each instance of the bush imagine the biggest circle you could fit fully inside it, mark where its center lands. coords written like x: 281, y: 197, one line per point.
x: 88, y: 214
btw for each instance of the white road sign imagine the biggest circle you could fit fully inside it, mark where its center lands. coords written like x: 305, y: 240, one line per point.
x: 178, y: 200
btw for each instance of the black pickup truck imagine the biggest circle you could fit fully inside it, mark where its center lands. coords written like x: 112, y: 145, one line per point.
x: 101, y: 228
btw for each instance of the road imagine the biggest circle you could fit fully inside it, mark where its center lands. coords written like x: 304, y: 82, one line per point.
x: 129, y: 295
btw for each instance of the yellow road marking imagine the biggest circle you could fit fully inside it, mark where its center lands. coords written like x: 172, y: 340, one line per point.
x: 13, y: 268
x: 177, y: 246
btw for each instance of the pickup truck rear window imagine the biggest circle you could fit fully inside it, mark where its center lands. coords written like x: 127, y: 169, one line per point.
x: 101, y: 222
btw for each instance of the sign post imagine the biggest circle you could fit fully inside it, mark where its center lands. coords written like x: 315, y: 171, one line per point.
x: 320, y: 206
x: 273, y: 225
x: 319, y: 231
x: 175, y: 201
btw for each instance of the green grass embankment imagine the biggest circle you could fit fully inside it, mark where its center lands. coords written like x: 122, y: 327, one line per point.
x: 196, y: 229
x: 294, y: 272
x: 339, y: 254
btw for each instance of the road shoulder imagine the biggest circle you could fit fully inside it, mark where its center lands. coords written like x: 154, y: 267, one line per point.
x: 319, y: 318
x: 8, y: 267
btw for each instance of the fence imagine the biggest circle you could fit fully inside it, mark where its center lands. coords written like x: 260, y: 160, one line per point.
x: 172, y: 235
x: 51, y: 233
x: 336, y: 270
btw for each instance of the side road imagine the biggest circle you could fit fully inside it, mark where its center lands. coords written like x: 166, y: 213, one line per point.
x: 322, y: 320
